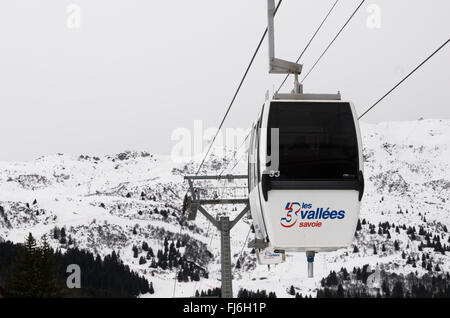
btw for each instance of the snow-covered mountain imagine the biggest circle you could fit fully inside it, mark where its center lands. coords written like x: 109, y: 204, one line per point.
x: 120, y: 202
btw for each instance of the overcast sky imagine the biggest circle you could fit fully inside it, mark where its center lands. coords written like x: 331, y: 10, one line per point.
x: 135, y: 70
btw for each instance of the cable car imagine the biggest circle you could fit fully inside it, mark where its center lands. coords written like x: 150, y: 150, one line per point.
x: 305, y: 176
x: 305, y: 169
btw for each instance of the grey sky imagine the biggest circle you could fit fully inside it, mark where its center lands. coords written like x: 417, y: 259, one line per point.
x: 137, y: 69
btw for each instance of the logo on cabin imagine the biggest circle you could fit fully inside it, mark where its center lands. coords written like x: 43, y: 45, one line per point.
x: 291, y: 217
x: 308, y: 216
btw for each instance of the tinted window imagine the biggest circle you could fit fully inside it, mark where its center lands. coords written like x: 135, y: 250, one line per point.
x: 317, y: 140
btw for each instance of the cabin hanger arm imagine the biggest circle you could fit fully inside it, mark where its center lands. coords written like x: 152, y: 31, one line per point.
x: 277, y: 66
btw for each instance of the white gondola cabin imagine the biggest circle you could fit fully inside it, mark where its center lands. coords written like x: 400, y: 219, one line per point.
x: 305, y: 177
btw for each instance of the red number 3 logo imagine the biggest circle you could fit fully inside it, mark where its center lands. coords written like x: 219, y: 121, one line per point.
x: 289, y: 221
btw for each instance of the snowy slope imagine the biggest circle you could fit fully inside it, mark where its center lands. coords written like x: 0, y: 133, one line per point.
x: 116, y: 202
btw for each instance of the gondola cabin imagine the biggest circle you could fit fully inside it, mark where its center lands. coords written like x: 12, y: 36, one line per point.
x: 305, y: 177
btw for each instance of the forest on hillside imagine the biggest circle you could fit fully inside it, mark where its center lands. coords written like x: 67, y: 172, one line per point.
x: 375, y: 283
x: 33, y: 270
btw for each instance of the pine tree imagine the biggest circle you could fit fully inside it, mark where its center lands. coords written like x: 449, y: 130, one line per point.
x: 151, y: 290
x: 48, y: 272
x: 63, y: 236
x: 345, y: 274
x: 135, y: 251
x: 56, y: 233
x: 358, y: 226
x: 340, y: 292
x: 24, y: 281
x: 195, y: 276
x: 292, y: 290
x: 142, y: 260
x: 150, y: 252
